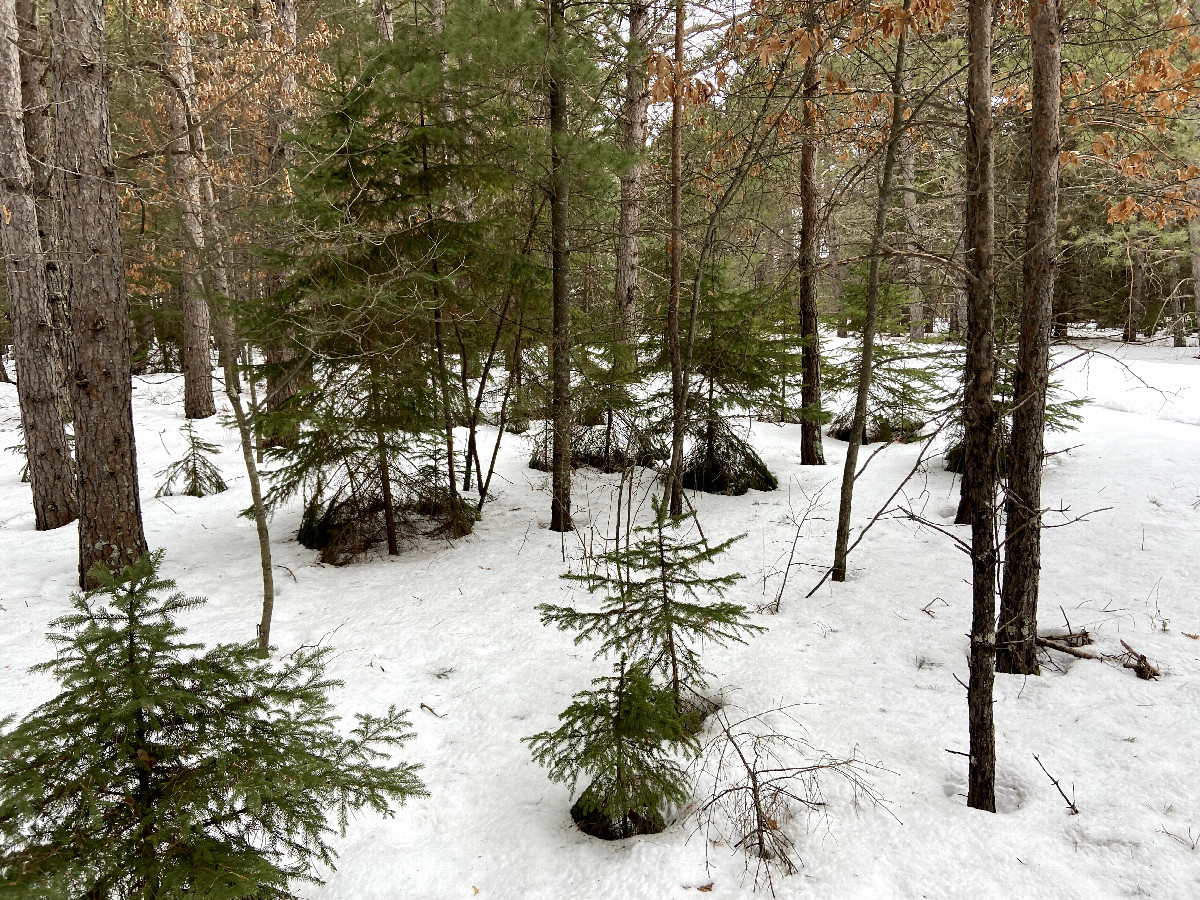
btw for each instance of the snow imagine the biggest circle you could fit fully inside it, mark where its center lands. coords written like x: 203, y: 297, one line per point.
x: 872, y: 664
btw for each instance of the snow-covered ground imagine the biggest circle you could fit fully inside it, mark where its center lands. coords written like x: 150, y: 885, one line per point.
x: 871, y: 664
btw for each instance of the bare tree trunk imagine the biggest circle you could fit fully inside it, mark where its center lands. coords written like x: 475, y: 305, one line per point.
x: 1178, y: 332
x: 675, y: 474
x: 837, y: 274
x: 46, y: 185
x: 560, y: 344
x: 1016, y: 649
x: 1137, y: 291
x: 812, y: 453
x: 958, y: 295
x: 912, y: 263
x: 110, y: 514
x: 39, y: 373
x: 275, y: 23
x: 858, y: 425
x: 1194, y: 253
x: 384, y: 25
x: 181, y: 111
x: 979, y: 478
x: 629, y: 224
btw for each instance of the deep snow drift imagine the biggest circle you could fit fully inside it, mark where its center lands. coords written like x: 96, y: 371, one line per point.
x: 871, y: 664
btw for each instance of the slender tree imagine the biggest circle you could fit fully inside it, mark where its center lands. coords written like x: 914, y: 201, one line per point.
x: 979, y: 479
x: 812, y: 453
x: 1016, y: 650
x: 39, y: 371
x: 186, y: 136
x: 678, y: 398
x: 633, y: 122
x: 560, y: 504
x: 110, y: 513
x: 859, y: 422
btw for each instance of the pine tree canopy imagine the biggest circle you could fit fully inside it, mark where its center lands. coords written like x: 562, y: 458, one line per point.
x: 165, y: 769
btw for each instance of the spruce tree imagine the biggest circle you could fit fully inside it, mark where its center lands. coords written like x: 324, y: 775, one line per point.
x: 655, y: 606
x: 621, y: 735
x: 193, y: 474
x: 165, y: 769
x: 626, y: 733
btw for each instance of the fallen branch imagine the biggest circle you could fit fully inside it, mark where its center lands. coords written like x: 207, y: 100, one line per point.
x: 1069, y: 800
x: 1137, y: 661
x: 1065, y: 648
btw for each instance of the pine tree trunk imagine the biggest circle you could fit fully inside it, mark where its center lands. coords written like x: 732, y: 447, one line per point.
x: 560, y: 350
x: 275, y: 23
x: 1137, y: 292
x: 812, y: 453
x: 634, y: 140
x: 837, y: 275
x: 39, y: 372
x: 384, y: 25
x: 185, y: 148
x: 912, y: 262
x: 859, y: 422
x: 979, y: 479
x: 1016, y: 648
x: 46, y: 185
x: 1178, y: 332
x: 1194, y: 257
x: 110, y: 514
x: 675, y: 474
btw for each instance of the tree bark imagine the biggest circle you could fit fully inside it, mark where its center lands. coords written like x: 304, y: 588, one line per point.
x: 859, y: 422
x: 912, y: 262
x: 46, y: 185
x: 560, y: 350
x: 1194, y: 253
x: 675, y: 474
x: 275, y: 23
x: 1016, y: 649
x: 384, y: 24
x: 39, y: 374
x: 1137, y: 292
x: 629, y: 221
x: 110, y: 514
x: 979, y: 479
x: 812, y: 453
x: 185, y: 147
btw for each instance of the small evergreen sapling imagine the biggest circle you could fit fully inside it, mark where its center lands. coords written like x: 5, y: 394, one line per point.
x: 656, y: 606
x: 167, y: 770
x: 626, y: 734
x: 620, y: 735
x: 193, y: 475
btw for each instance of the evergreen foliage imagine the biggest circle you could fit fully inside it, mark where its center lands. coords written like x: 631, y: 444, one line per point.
x: 165, y: 769
x: 654, y: 606
x: 625, y: 734
x: 620, y: 735
x: 194, y: 474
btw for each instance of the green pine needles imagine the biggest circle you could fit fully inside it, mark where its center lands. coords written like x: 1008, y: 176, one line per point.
x: 658, y: 607
x: 165, y: 769
x: 194, y: 474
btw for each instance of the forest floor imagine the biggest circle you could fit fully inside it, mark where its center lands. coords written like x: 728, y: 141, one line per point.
x: 449, y: 629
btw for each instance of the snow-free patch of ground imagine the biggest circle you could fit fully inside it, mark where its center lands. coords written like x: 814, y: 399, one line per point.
x: 872, y: 665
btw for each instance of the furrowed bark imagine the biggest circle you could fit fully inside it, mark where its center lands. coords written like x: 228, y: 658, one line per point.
x: 1016, y: 649
x: 979, y: 479
x: 812, y: 451
x: 39, y: 373
x: 110, y: 514
x: 560, y: 344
